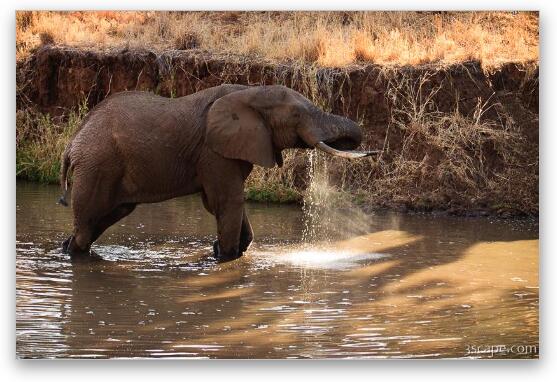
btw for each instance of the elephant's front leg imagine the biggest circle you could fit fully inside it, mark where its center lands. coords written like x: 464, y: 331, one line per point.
x: 246, y: 232
x: 223, y: 196
x: 229, y: 229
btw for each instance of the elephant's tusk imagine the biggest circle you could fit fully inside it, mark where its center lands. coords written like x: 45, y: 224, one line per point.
x: 344, y: 154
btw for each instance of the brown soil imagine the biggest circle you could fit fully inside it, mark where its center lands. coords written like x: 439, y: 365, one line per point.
x: 55, y: 79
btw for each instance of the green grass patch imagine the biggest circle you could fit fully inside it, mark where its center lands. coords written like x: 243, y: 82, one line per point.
x: 273, y: 193
x: 41, y: 141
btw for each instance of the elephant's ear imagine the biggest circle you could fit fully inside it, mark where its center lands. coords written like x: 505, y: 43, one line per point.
x: 237, y: 131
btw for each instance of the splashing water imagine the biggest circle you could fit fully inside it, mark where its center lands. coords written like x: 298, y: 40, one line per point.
x: 316, y: 199
x: 329, y: 214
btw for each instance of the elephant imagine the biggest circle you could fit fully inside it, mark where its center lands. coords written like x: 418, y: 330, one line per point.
x: 137, y: 147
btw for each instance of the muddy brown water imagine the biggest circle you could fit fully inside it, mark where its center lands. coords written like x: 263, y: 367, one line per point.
x: 400, y: 286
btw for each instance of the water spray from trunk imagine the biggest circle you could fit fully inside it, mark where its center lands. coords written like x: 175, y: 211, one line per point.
x: 329, y: 213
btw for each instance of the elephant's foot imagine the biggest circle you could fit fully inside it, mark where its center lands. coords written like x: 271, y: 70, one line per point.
x: 77, y: 254
x: 223, y: 257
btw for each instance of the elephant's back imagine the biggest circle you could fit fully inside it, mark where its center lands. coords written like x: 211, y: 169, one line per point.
x: 132, y: 114
x: 140, y: 139
x: 125, y: 107
x: 148, y: 111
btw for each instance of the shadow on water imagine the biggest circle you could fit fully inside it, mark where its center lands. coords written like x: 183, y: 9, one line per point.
x: 396, y: 286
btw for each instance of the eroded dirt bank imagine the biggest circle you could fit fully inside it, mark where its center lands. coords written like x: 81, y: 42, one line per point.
x: 456, y: 138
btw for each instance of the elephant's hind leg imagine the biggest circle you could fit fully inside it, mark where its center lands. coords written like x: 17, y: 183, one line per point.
x: 92, y: 196
x: 79, y: 244
x: 106, y: 221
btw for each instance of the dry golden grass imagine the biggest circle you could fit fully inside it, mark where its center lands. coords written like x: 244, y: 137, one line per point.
x: 331, y: 39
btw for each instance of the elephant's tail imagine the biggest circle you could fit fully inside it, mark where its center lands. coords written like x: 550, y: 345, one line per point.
x: 66, y: 164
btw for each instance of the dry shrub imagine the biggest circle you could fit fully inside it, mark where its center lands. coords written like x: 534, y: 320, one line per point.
x: 187, y: 41
x: 445, y: 160
x: 46, y: 38
x: 364, y: 48
x: 330, y: 39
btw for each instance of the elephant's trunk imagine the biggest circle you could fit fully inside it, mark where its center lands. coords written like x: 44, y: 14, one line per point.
x: 335, y: 135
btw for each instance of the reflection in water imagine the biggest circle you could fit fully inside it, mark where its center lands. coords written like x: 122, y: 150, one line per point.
x: 409, y: 286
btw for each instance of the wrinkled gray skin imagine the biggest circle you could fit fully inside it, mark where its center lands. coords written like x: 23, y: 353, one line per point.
x: 137, y: 147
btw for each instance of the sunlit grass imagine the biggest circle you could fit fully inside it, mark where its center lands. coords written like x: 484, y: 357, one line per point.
x: 331, y: 39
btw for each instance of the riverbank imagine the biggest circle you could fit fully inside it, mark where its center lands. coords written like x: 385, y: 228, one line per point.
x: 457, y: 138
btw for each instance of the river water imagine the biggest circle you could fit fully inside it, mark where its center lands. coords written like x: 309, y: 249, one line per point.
x: 378, y: 286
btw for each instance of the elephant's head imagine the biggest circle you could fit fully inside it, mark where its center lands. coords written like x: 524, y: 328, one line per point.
x: 257, y: 123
